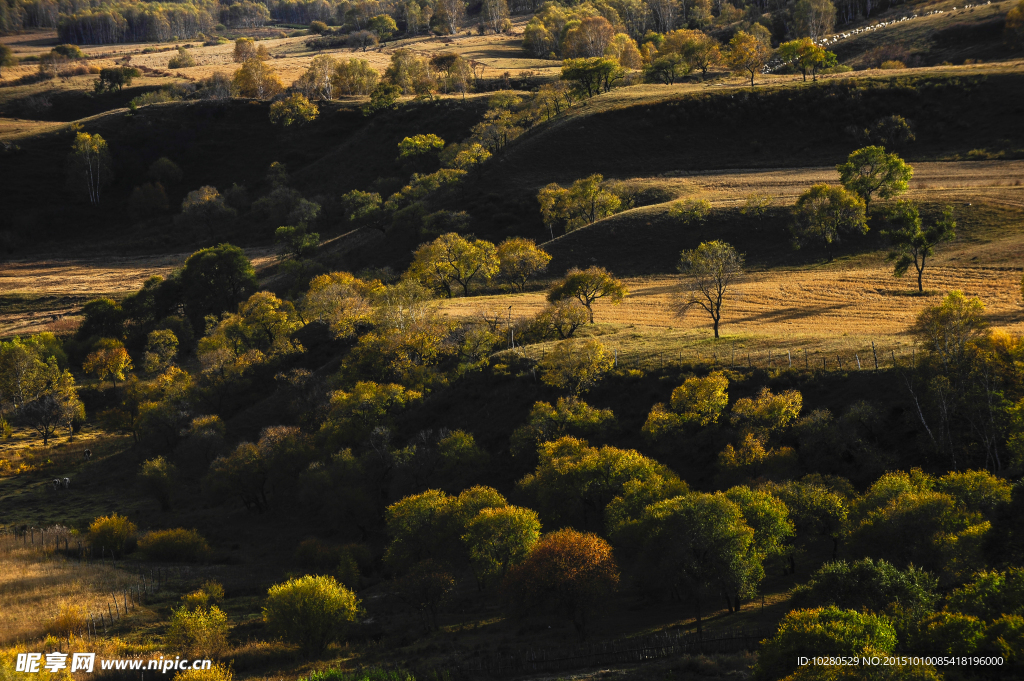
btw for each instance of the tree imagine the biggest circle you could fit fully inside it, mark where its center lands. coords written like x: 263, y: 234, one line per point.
x: 563, y: 317
x: 114, y: 533
x: 892, y: 132
x: 913, y: 245
x: 576, y: 365
x: 590, y: 75
x: 295, y: 109
x: 698, y: 402
x: 700, y: 544
x: 806, y: 56
x: 871, y: 171
x: 701, y: 51
x: 747, y: 53
x: 589, y: 38
x: 710, y: 268
x: 570, y: 571
x: 7, y: 58
x: 317, y: 83
x: 948, y: 329
x: 815, y: 509
x: 588, y: 286
x: 825, y: 212
x: 841, y: 632
x: 363, y: 39
x: 246, y: 49
x: 108, y: 359
x: 384, y: 26
x: 256, y: 80
x: 356, y: 413
x: 214, y: 280
x: 159, y: 478
x: 411, y: 148
x: 869, y: 584
x: 452, y: 259
x: 495, y: 15
x: 756, y: 205
x: 547, y: 422
x: 815, y: 18
x: 1015, y: 25
x: 89, y: 166
x: 311, y: 611
x: 691, y: 212
x: 585, y: 202
x: 113, y: 78
x: 499, y: 539
x: 990, y: 594
x: 55, y: 403
x: 519, y: 259
x: 354, y: 77
x: 623, y: 49
x: 449, y: 14
x: 383, y: 97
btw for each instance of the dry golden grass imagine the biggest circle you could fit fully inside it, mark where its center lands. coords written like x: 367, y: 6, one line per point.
x: 84, y: 278
x: 36, y: 584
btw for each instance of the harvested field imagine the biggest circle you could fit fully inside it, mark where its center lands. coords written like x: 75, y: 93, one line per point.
x: 38, y: 295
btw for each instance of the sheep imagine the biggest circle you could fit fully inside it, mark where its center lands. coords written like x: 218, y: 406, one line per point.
x: 56, y: 484
x: 65, y: 483
x: 88, y: 454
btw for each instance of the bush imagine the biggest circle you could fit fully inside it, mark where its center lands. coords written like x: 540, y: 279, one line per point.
x: 317, y: 27
x: 70, y: 619
x: 174, y: 545
x: 312, y: 612
x: 200, y: 632
x: 114, y: 533
x: 210, y: 593
x: 892, y: 64
x: 294, y: 109
x: 184, y: 59
x: 217, y: 672
x: 158, y: 477
x: 165, y: 171
x: 147, y: 199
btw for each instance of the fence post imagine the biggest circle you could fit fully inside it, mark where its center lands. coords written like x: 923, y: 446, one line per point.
x: 769, y: 358
x: 875, y: 354
x: 615, y: 362
x: 789, y: 356
x: 858, y: 361
x: 893, y: 352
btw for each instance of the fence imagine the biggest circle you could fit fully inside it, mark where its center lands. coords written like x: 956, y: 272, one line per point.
x: 624, y: 651
x: 868, y: 358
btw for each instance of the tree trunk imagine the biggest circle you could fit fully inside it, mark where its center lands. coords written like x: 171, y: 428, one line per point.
x: 716, y: 328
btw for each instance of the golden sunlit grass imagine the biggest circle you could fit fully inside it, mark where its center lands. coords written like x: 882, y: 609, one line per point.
x: 40, y: 590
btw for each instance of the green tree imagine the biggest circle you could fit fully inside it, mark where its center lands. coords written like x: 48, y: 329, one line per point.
x: 354, y: 77
x: 569, y: 571
x: 692, y: 212
x: 815, y: 18
x: 768, y: 516
x: 949, y: 329
x: 574, y: 482
x: 700, y: 544
x: 296, y: 109
x: 499, y: 539
x: 198, y: 632
x: 419, y: 145
x: 312, y: 612
x: 698, y: 402
x: 159, y: 478
x: 840, y: 632
x: 991, y: 594
x: 807, y: 56
x: 114, y: 534
x: 384, y: 26
x: 1015, y: 25
x: 89, y: 166
x: 913, y: 245
x: 825, y: 212
x: 567, y: 416
x: 214, y: 280
x: 667, y: 69
x: 815, y: 509
x: 108, y: 359
x: 710, y: 269
x: 588, y: 286
x: 257, y: 80
x: 113, y: 78
x: 182, y: 60
x: 382, y: 98
x: 576, y: 365
x: 519, y: 260
x: 871, y: 172
x: 7, y: 58
x: 584, y: 203
x: 452, y: 259
x: 871, y: 585
x: 354, y: 414
x: 748, y: 54
x: 589, y: 75
x: 52, y: 400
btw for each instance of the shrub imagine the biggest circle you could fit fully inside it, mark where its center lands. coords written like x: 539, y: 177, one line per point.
x: 70, y: 619
x: 158, y: 477
x: 312, y: 612
x: 317, y: 27
x: 165, y: 171
x: 184, y: 59
x: 178, y: 544
x: 294, y: 109
x: 114, y: 533
x: 217, y: 672
x: 147, y: 199
x: 200, y: 632
x: 892, y: 64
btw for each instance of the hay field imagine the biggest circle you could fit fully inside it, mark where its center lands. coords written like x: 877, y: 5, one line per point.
x: 38, y: 295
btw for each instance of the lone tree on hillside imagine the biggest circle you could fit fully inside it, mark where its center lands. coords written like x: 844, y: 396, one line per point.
x: 748, y: 54
x: 7, y: 58
x: 871, y: 172
x: 912, y: 245
x: 576, y: 365
x: 824, y: 212
x: 587, y: 286
x: 452, y: 259
x: 114, y: 78
x: 807, y: 56
x: 89, y: 166
x: 710, y: 269
x: 519, y: 259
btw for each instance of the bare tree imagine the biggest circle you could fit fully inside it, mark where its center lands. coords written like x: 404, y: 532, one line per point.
x: 710, y: 268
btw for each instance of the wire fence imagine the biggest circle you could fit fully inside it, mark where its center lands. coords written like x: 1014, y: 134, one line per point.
x: 868, y: 358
